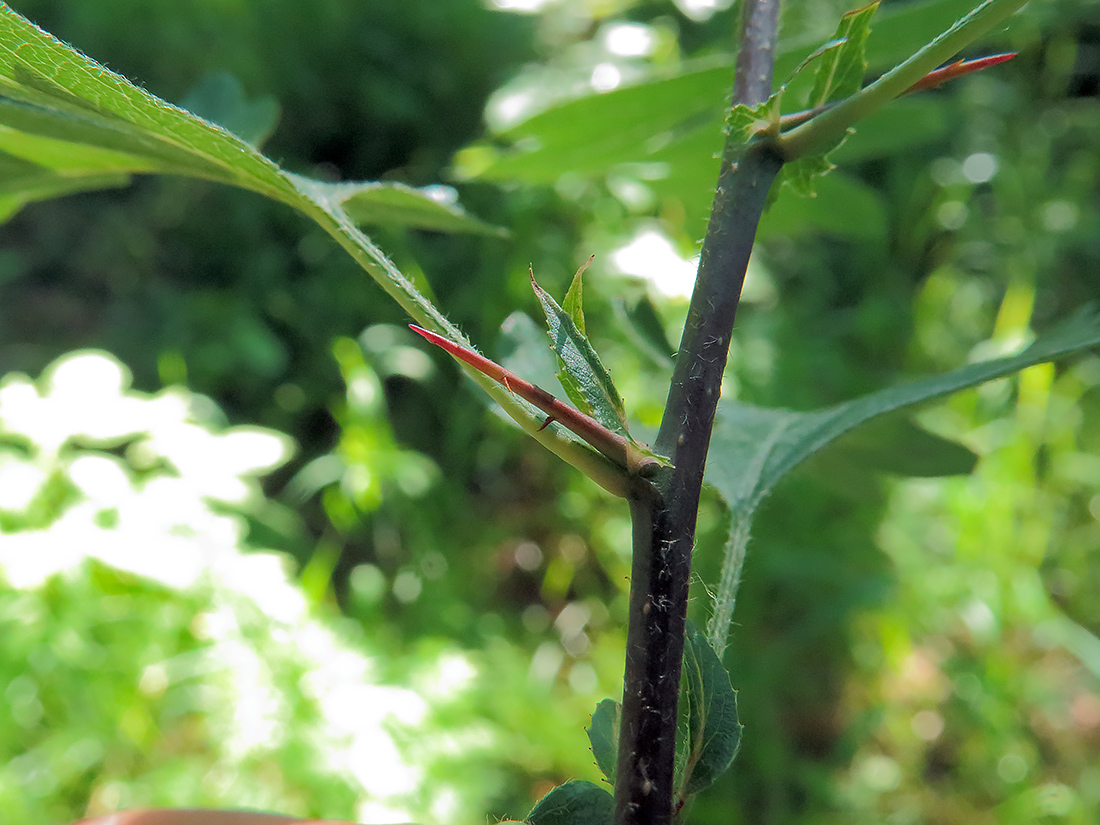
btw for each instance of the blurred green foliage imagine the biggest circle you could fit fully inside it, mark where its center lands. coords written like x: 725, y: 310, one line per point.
x: 905, y: 650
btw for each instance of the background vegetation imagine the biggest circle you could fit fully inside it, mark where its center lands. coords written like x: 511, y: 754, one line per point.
x: 445, y: 601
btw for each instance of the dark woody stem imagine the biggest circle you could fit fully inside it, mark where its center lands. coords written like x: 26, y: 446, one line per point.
x: 664, y: 513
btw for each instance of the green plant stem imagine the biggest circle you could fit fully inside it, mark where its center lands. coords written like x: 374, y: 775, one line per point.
x: 733, y: 561
x: 664, y: 514
x: 830, y: 125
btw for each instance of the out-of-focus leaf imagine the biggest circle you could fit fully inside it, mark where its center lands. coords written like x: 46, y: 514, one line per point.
x: 219, y: 98
x: 907, y: 122
x: 434, y: 208
x: 843, y: 206
x: 714, y: 732
x: 893, y: 444
x: 575, y: 803
x: 753, y: 447
x: 523, y: 351
x: 586, y: 381
x: 642, y: 324
x: 603, y: 734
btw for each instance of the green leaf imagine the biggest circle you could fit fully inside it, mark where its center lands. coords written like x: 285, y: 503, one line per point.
x: 603, y: 734
x: 575, y: 803
x: 434, y: 208
x: 893, y: 444
x: 745, y: 122
x: 75, y: 119
x: 752, y: 448
x: 219, y: 98
x: 714, y: 732
x: 905, y: 123
x: 643, y: 325
x: 586, y: 382
x: 574, y: 298
x: 840, y: 72
x: 843, y: 205
x: 523, y: 350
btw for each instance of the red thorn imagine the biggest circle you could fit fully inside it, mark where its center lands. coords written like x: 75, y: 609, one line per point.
x: 958, y: 69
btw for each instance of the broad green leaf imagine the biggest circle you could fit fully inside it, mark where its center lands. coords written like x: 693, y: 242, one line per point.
x: 586, y: 382
x: 752, y: 448
x: 575, y: 803
x: 23, y: 182
x: 603, y: 734
x: 840, y: 72
x: 74, y: 119
x: 714, y: 732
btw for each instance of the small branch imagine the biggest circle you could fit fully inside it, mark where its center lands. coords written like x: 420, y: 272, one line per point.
x: 831, y: 124
x: 608, y: 468
x: 610, y: 444
x: 932, y: 80
x: 664, y: 515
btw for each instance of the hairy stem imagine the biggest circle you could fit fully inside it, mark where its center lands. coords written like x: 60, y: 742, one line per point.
x: 664, y: 515
x: 733, y: 561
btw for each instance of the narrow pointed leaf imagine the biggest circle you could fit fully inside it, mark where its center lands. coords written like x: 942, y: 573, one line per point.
x: 713, y: 728
x: 752, y: 448
x: 584, y: 378
x: 575, y: 803
x: 603, y: 734
x: 574, y: 297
